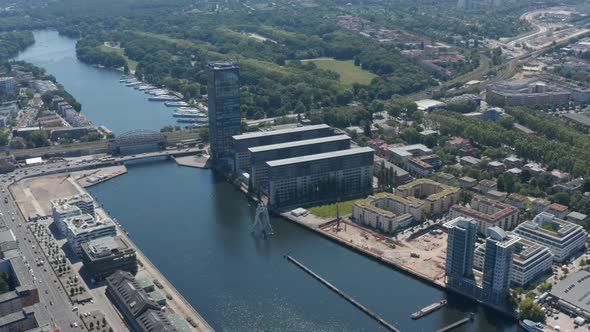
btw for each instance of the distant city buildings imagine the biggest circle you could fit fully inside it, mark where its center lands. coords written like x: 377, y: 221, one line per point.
x: 387, y: 212
x: 223, y: 90
x: 561, y: 237
x: 532, y: 91
x: 478, y: 4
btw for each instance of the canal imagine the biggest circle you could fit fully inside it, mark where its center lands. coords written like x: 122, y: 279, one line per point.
x: 197, y: 232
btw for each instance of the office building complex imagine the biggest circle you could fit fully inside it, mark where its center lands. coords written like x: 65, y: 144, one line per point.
x: 460, y: 251
x: 69, y: 207
x: 561, y: 237
x: 138, y: 309
x: 223, y: 90
x: 438, y: 197
x: 241, y: 143
x: 103, y: 256
x: 497, y: 264
x: 417, y: 158
x: 85, y: 228
x: 487, y: 213
x: 386, y: 212
x: 259, y: 155
x: 320, y: 177
x: 7, y: 86
x: 530, y: 261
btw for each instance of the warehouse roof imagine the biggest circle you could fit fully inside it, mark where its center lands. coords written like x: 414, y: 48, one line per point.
x: 319, y: 156
x: 278, y: 132
x: 298, y: 143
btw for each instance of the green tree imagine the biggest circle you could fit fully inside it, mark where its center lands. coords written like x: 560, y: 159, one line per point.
x: 528, y: 309
x: 204, y: 134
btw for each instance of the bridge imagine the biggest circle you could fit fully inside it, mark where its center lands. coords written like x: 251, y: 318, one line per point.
x: 135, y: 141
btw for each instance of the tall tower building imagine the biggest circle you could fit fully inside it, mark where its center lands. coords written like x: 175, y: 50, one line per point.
x: 460, y: 252
x: 497, y: 264
x: 223, y: 89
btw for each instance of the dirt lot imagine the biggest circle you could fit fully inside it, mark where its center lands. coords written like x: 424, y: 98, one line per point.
x: 34, y: 196
x: 429, y: 250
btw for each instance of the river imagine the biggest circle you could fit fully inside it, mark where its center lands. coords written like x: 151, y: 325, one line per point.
x: 196, y: 231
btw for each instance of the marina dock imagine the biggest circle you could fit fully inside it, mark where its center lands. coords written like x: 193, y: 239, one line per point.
x: 454, y: 325
x: 429, y: 309
x: 344, y: 295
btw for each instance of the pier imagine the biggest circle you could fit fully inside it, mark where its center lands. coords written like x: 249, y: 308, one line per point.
x: 454, y: 325
x: 344, y: 295
x: 429, y: 309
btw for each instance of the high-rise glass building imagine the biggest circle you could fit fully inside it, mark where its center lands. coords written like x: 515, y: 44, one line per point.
x: 460, y: 248
x: 497, y: 264
x: 223, y: 90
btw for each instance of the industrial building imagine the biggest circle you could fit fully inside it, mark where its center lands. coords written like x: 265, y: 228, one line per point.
x: 137, y: 308
x: 387, y: 212
x: 487, y: 213
x: 104, y: 256
x: 530, y: 261
x: 85, y: 228
x: 241, y: 143
x: 438, y: 198
x: 572, y: 294
x: 259, y: 155
x: 223, y: 93
x: 320, y: 177
x: 563, y: 238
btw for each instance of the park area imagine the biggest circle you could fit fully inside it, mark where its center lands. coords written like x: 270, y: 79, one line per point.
x: 349, y: 73
x: 107, y: 47
x: 329, y: 211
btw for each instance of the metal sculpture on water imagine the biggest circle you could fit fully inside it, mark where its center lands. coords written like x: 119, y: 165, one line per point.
x: 262, y: 226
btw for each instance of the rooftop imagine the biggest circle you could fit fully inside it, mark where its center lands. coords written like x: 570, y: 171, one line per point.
x: 278, y: 132
x: 404, y: 151
x: 85, y: 222
x: 557, y: 207
x: 298, y: 143
x: 319, y: 156
x: 221, y: 65
x: 574, y: 289
x: 105, y: 246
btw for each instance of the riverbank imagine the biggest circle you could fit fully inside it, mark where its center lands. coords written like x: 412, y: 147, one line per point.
x: 33, y: 197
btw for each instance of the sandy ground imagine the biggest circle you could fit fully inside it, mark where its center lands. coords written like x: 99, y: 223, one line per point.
x: 429, y: 250
x: 92, y: 177
x: 34, y: 196
x: 200, y: 161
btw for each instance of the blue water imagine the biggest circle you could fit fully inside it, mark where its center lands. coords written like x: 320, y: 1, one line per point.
x: 196, y: 231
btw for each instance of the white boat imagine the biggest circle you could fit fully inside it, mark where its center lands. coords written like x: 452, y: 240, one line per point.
x: 193, y: 120
x: 188, y: 114
x: 164, y: 98
x: 187, y: 109
x: 133, y: 83
x: 530, y: 326
x: 157, y: 92
x: 146, y: 88
x: 176, y: 104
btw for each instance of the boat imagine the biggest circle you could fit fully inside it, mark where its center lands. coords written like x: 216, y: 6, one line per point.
x: 133, y: 83
x: 187, y: 109
x: 431, y: 308
x: 188, y: 114
x: 176, y: 104
x: 164, y: 98
x: 146, y: 87
x: 156, y: 92
x: 530, y: 326
x: 192, y: 120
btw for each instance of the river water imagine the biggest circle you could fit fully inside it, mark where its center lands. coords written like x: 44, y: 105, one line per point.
x: 196, y: 231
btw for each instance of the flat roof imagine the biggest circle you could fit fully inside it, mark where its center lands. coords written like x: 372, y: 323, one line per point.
x: 298, y: 143
x: 574, y: 289
x: 319, y: 156
x: 278, y: 132
x: 429, y: 103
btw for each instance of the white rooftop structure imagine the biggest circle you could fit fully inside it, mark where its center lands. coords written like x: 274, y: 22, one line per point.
x: 429, y: 104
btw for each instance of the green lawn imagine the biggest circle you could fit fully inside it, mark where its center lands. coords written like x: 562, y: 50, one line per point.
x: 329, y: 210
x: 349, y: 73
x: 131, y: 63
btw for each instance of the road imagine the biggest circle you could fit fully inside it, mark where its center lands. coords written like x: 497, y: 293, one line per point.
x: 53, y: 298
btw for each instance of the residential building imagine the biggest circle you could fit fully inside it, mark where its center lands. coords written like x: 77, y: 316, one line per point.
x: 467, y: 182
x: 462, y: 233
x: 71, y: 206
x: 558, y: 210
x: 469, y: 161
x: 438, y: 197
x: 387, y: 212
x: 424, y: 165
x: 85, y: 228
x: 487, y: 185
x: 403, y: 153
x: 488, y: 213
x: 496, y: 166
x: 513, y: 162
x: 446, y: 178
x: 496, y: 195
x: 401, y: 176
x: 223, y: 93
x: 259, y: 155
x: 577, y: 218
x: 241, y: 143
x: 570, y: 186
x: 497, y: 265
x: 540, y: 205
x: 320, y: 177
x: 7, y: 86
x: 530, y: 261
x: 517, y: 200
x: 561, y: 237
x: 105, y: 255
x: 463, y: 145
